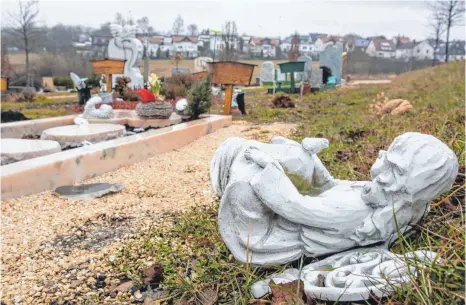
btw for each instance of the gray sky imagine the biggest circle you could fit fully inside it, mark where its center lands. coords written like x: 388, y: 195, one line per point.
x: 254, y: 17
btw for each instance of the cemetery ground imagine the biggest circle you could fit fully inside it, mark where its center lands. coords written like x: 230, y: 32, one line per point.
x: 157, y: 241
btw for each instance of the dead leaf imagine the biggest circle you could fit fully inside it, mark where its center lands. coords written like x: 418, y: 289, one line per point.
x: 121, y: 288
x: 153, y: 274
x: 284, y: 294
x: 208, y: 296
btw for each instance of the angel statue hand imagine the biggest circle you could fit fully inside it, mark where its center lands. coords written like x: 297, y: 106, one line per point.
x: 314, y: 145
x: 262, y: 159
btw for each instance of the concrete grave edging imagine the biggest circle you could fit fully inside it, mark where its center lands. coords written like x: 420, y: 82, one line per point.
x: 74, y: 166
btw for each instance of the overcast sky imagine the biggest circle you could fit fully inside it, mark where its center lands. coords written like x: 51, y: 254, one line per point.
x: 254, y: 17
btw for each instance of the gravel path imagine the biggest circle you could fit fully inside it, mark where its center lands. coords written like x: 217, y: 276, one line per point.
x: 52, y: 248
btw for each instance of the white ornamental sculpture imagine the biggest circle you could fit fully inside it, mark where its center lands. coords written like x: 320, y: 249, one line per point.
x: 91, y: 112
x: 263, y: 215
x: 200, y: 64
x: 352, y: 275
x: 264, y: 220
x: 125, y: 45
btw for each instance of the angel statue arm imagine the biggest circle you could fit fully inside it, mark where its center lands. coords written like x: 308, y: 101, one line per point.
x: 321, y: 179
x: 271, y: 185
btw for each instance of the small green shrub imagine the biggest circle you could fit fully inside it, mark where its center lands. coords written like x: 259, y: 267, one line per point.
x: 64, y: 81
x: 200, y: 98
x: 93, y: 81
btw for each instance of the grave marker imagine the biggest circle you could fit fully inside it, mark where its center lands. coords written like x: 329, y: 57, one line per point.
x: 230, y: 73
x: 331, y: 58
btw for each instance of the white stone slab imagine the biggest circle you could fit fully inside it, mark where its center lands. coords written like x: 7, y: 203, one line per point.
x: 13, y: 150
x: 75, y: 135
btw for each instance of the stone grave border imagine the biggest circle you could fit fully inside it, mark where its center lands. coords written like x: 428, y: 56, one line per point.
x: 74, y: 166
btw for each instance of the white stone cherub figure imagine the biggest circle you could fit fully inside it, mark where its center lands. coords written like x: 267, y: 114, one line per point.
x: 103, y: 83
x: 264, y: 220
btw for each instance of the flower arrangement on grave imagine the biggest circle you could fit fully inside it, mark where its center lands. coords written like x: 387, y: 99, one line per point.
x: 155, y: 84
x: 152, y: 107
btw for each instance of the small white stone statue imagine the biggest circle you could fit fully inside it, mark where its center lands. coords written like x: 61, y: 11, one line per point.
x: 90, y: 111
x: 264, y: 220
x: 126, y: 46
x: 181, y: 107
x: 103, y: 83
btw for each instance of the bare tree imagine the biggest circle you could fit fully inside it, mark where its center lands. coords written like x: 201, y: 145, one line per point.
x: 5, y: 63
x: 178, y: 25
x: 294, y: 50
x: 437, y: 28
x: 177, y: 59
x: 144, y: 25
x: 121, y: 20
x: 451, y: 12
x: 230, y: 41
x: 23, y: 25
x: 192, y: 29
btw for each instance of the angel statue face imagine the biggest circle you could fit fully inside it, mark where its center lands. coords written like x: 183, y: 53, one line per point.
x: 417, y: 167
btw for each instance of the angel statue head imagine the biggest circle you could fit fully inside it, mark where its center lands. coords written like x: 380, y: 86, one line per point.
x: 414, y: 171
x: 417, y: 166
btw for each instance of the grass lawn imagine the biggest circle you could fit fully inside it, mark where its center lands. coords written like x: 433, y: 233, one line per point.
x: 43, y: 108
x: 197, y: 262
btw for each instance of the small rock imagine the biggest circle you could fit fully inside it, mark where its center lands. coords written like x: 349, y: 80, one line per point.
x: 138, y: 297
x: 148, y: 301
x: 121, y: 288
x: 91, y: 281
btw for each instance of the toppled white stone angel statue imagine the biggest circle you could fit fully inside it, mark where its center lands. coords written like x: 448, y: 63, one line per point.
x: 264, y: 220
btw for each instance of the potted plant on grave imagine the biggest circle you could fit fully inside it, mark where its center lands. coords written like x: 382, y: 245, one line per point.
x: 151, y: 107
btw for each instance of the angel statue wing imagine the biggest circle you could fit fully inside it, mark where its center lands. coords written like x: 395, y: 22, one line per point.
x: 116, y: 30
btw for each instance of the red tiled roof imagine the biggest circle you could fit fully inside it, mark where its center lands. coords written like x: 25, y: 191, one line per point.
x: 155, y: 39
x: 260, y: 40
x: 179, y: 38
x: 404, y: 40
x: 384, y: 45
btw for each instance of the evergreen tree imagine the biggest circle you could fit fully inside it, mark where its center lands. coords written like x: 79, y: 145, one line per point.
x: 200, y: 98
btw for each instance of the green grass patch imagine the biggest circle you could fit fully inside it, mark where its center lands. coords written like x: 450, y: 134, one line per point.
x: 194, y: 259
x: 43, y: 113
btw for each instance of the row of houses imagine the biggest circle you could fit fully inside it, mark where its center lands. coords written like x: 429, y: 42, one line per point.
x: 400, y: 47
x: 412, y: 50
